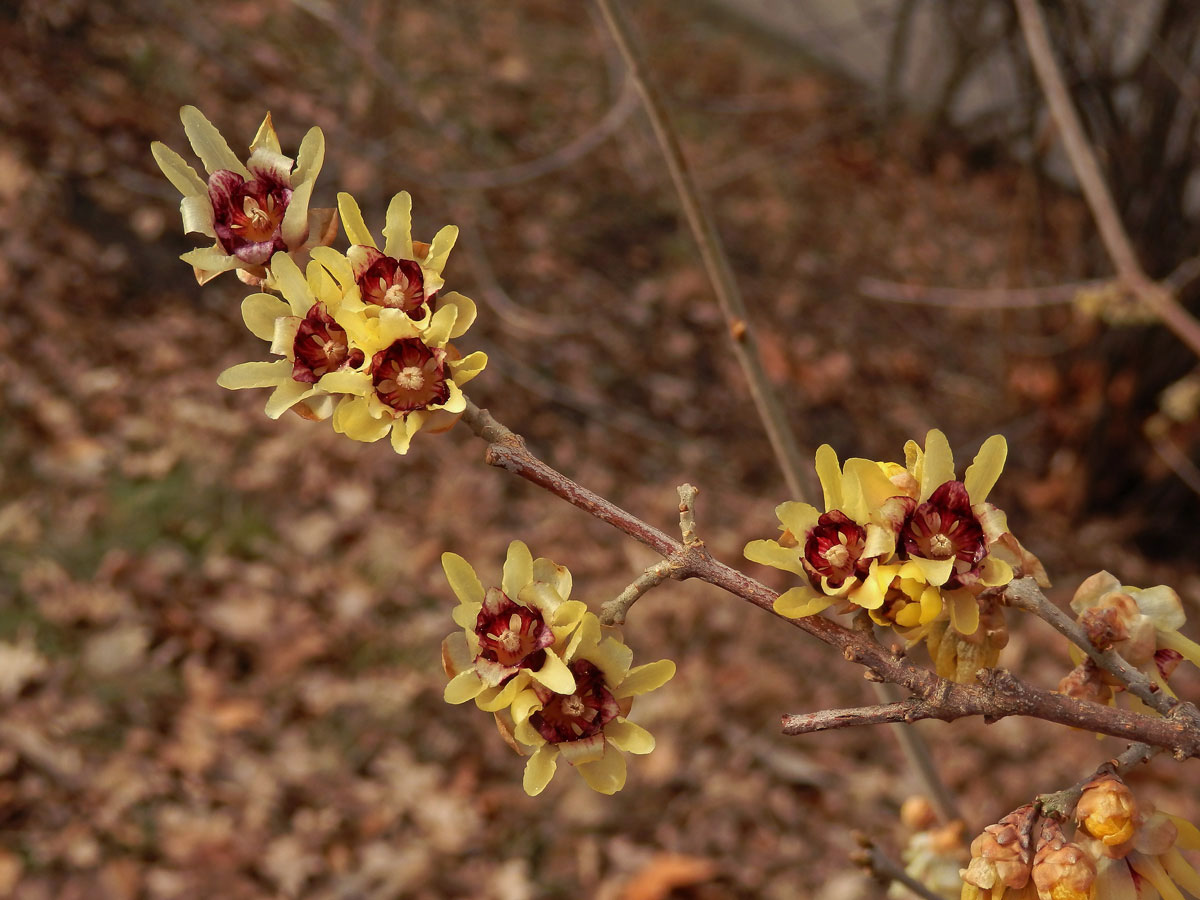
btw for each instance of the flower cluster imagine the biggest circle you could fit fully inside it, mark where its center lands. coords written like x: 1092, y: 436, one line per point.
x: 363, y: 338
x: 1142, y: 625
x: 1122, y: 850
x: 559, y: 683
x: 911, y: 544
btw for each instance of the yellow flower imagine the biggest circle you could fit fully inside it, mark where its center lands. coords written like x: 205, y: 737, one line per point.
x: 587, y: 727
x: 311, y: 331
x: 511, y: 634
x: 838, y: 552
x: 411, y: 380
x: 1142, y: 625
x: 405, y: 274
x: 252, y: 210
x: 1135, y: 848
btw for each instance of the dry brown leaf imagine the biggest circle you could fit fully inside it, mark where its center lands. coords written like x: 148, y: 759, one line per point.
x: 665, y: 872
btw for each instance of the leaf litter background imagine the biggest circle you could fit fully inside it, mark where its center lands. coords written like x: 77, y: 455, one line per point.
x: 219, y: 635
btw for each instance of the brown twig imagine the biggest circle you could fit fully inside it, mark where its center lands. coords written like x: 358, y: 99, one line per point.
x: 1157, y: 298
x: 998, y: 695
x: 972, y: 298
x: 716, y: 262
x: 886, y: 869
x: 614, y: 611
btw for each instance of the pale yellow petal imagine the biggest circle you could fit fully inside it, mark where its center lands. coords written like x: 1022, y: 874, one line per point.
x: 468, y: 367
x: 311, y: 156
x: 397, y: 229
x: 441, y: 323
x: 197, y: 215
x: 525, y: 705
x: 770, y: 553
x: 830, y: 473
x: 939, y: 464
x: 439, y: 249
x: 1189, y: 649
x: 178, y: 172
x: 210, y: 259
x: 982, y: 473
x: 1189, y: 834
x: 462, y: 687
x: 254, y: 374
x: 291, y: 282
x: 559, y: 577
x: 994, y: 572
x: 259, y: 312
x: 208, y: 143
x: 873, y: 484
x: 336, y: 263
x: 800, y: 602
x: 457, y: 655
x: 493, y: 700
x: 353, y: 419
x: 644, y: 678
x: 404, y: 430
x: 931, y: 604
x: 518, y: 569
x: 346, y: 381
x: 554, y: 675
x: 540, y: 769
x: 870, y: 594
x: 352, y: 221
x: 266, y: 137
x: 934, y: 571
x: 607, y: 774
x: 964, y: 612
x: 1150, y: 869
x: 1181, y: 871
x: 286, y: 395
x: 465, y: 312
x: 613, y: 659
x: 463, y: 581
x: 629, y: 737
x: 798, y: 518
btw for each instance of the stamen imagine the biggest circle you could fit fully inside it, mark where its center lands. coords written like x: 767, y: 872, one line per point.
x: 410, y: 378
x: 940, y: 547
x: 837, y: 556
x: 573, y: 706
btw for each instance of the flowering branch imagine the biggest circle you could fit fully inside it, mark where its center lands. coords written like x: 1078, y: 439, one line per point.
x: 998, y: 695
x: 885, y: 869
x: 1025, y: 594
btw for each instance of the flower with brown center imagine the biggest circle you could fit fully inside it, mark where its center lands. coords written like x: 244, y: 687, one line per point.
x: 311, y: 330
x: 403, y: 274
x: 586, y: 726
x: 252, y: 210
x: 509, y: 632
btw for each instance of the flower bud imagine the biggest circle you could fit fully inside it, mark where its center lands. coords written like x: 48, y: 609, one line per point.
x: 1062, y: 870
x: 1108, y: 812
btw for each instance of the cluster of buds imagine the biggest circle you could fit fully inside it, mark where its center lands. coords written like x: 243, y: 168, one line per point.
x: 1142, y: 625
x: 933, y: 854
x: 558, y: 682
x: 1123, y: 850
x: 911, y: 544
x: 363, y: 338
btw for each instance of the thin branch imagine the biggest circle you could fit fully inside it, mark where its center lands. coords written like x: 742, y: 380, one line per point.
x: 886, y: 869
x: 1157, y: 298
x: 973, y: 298
x: 1025, y: 594
x: 998, y: 695
x: 716, y: 261
x: 614, y: 611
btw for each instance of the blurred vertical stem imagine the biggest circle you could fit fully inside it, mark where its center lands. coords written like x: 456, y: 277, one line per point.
x: 716, y: 262
x: 1158, y: 298
x: 796, y: 472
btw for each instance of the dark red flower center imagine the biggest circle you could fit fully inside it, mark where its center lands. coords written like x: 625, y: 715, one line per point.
x: 511, y: 634
x: 943, y: 527
x: 321, y: 346
x: 410, y: 376
x: 572, y: 717
x: 248, y: 215
x: 394, y: 283
x: 834, y: 547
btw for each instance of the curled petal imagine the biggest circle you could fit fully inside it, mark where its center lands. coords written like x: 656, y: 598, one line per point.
x: 770, y: 553
x: 994, y: 572
x: 798, y: 518
x: 463, y: 581
x: 540, y: 769
x: 463, y: 687
x: 613, y: 659
x: 353, y: 419
x: 518, y: 569
x: 938, y: 466
x: 352, y: 221
x: 465, y: 312
x: 182, y: 176
x: 439, y: 249
x: 254, y: 374
x: 259, y: 312
x: 212, y: 149
x: 397, y: 230
x: 829, y: 471
x: 934, y: 571
x: 647, y: 677
x: 605, y: 775
x: 286, y: 395
x: 1163, y: 607
x: 558, y: 577
x: 981, y: 475
x: 555, y: 675
x: 964, y: 612
x: 494, y: 701
x: 629, y: 737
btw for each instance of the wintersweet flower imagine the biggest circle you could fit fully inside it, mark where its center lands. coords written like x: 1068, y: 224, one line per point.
x: 1135, y: 848
x: 405, y: 274
x: 252, y: 210
x: 933, y: 853
x: 587, y: 726
x: 412, y: 378
x: 512, y: 634
x: 1142, y: 625
x: 310, y: 329
x: 838, y: 551
x: 1002, y: 860
x: 1062, y: 870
